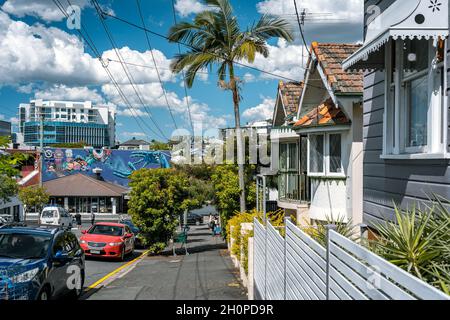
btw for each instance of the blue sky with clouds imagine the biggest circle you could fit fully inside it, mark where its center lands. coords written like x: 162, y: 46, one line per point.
x: 41, y: 58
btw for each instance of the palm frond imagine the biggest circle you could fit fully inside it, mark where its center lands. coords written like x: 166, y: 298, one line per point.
x: 269, y: 26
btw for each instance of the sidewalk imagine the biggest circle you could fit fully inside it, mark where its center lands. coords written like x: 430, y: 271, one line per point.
x: 206, y: 274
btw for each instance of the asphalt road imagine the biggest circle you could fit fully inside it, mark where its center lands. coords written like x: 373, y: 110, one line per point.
x: 206, y: 273
x: 97, y: 268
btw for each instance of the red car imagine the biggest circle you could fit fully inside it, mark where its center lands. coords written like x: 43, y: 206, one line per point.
x: 109, y: 240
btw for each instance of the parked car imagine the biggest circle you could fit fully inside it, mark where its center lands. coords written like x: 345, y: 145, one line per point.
x: 193, y: 218
x: 38, y: 263
x: 56, y: 216
x: 108, y: 240
x: 3, y: 221
x: 136, y: 231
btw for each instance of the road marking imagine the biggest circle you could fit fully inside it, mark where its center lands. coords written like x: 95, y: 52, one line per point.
x: 109, y: 275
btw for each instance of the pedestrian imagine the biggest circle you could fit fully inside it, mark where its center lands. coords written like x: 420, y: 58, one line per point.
x: 92, y: 218
x: 78, y: 219
x: 213, y: 225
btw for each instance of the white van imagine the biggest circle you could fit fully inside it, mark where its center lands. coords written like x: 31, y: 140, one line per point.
x: 55, y: 215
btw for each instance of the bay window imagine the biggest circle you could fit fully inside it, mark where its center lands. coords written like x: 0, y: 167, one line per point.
x: 325, y: 155
x: 414, y: 108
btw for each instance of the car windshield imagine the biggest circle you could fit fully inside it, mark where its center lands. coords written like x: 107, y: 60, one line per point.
x: 23, y: 246
x: 49, y: 213
x: 106, y: 230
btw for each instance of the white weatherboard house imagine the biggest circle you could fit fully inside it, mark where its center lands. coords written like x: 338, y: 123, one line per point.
x: 406, y: 112
x: 330, y: 119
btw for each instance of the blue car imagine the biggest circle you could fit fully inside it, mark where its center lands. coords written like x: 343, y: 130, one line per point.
x: 38, y: 263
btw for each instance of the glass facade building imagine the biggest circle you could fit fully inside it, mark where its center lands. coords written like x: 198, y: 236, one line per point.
x: 67, y: 122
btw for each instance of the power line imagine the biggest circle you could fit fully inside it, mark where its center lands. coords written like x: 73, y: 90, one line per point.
x: 146, y: 66
x: 92, y: 46
x: 197, y: 49
x: 124, y: 67
x: 155, y: 64
x: 300, y: 25
x: 182, y: 72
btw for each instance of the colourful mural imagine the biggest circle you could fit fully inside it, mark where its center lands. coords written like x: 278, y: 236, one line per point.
x: 116, y: 165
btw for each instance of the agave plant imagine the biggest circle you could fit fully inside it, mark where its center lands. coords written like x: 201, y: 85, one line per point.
x: 410, y: 243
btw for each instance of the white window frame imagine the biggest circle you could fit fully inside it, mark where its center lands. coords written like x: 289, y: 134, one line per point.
x: 326, y: 156
x: 395, y: 122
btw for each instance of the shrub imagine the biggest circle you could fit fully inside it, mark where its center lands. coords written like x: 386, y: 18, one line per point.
x: 418, y: 242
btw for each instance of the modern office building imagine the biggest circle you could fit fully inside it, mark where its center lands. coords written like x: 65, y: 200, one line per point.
x: 5, y: 128
x: 67, y: 122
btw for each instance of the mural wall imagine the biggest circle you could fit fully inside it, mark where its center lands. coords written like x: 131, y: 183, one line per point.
x: 116, y: 165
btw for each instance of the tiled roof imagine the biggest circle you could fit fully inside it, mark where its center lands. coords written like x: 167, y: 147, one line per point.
x: 330, y: 57
x: 324, y: 115
x: 291, y: 93
x: 80, y: 185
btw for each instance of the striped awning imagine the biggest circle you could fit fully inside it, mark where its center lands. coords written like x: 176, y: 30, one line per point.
x: 412, y: 19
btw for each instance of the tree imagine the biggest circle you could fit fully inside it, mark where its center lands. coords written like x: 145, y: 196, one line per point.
x: 34, y: 197
x: 8, y: 170
x: 227, y: 192
x: 217, y: 39
x: 159, y: 146
x: 158, y: 197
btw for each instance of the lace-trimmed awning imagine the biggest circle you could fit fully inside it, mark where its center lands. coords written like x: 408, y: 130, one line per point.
x: 412, y: 19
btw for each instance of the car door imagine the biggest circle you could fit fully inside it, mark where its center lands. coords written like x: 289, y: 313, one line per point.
x: 60, y: 265
x: 75, y: 260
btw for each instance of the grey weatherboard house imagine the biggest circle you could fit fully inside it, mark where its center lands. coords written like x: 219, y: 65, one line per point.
x: 406, y: 112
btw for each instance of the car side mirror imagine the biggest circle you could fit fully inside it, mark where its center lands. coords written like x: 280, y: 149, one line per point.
x: 83, y: 231
x: 128, y: 235
x: 60, y: 255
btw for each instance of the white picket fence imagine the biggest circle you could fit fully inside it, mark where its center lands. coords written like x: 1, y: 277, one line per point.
x: 296, y: 267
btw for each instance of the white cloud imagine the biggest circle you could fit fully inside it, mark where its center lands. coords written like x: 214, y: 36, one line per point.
x: 263, y: 111
x: 347, y: 10
x: 32, y: 53
x: 62, y: 92
x: 126, y: 112
x: 133, y: 134
x: 284, y: 60
x: 248, y: 77
x: 187, y: 7
x: 43, y: 9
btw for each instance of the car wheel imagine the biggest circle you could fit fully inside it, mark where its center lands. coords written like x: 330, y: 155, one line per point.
x: 44, y: 294
x: 76, y: 293
x: 197, y: 223
x: 122, y: 255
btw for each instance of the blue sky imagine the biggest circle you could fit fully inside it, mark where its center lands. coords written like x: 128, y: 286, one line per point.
x: 40, y: 57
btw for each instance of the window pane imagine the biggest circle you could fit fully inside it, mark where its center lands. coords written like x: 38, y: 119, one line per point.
x: 418, y: 112
x: 293, y: 159
x: 415, y: 56
x: 335, y: 153
x: 283, y: 156
x: 316, y: 153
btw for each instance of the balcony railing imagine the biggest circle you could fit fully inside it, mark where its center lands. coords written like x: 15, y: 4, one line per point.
x: 294, y: 187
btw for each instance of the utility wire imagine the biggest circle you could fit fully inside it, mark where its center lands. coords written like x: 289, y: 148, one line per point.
x: 124, y: 67
x: 301, y: 29
x: 182, y: 71
x: 94, y: 49
x: 197, y: 49
x: 155, y: 64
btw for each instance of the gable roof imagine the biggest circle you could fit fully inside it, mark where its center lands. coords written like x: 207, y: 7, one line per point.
x: 330, y: 56
x: 81, y: 185
x: 291, y: 93
x: 135, y: 142
x: 326, y: 114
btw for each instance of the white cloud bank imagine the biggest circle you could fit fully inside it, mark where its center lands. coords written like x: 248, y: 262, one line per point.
x: 263, y: 111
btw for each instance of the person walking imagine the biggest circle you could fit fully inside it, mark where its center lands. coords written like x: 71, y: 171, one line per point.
x: 78, y: 220
x: 92, y: 218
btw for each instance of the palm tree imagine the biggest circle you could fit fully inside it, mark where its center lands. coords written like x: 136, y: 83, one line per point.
x: 216, y: 39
